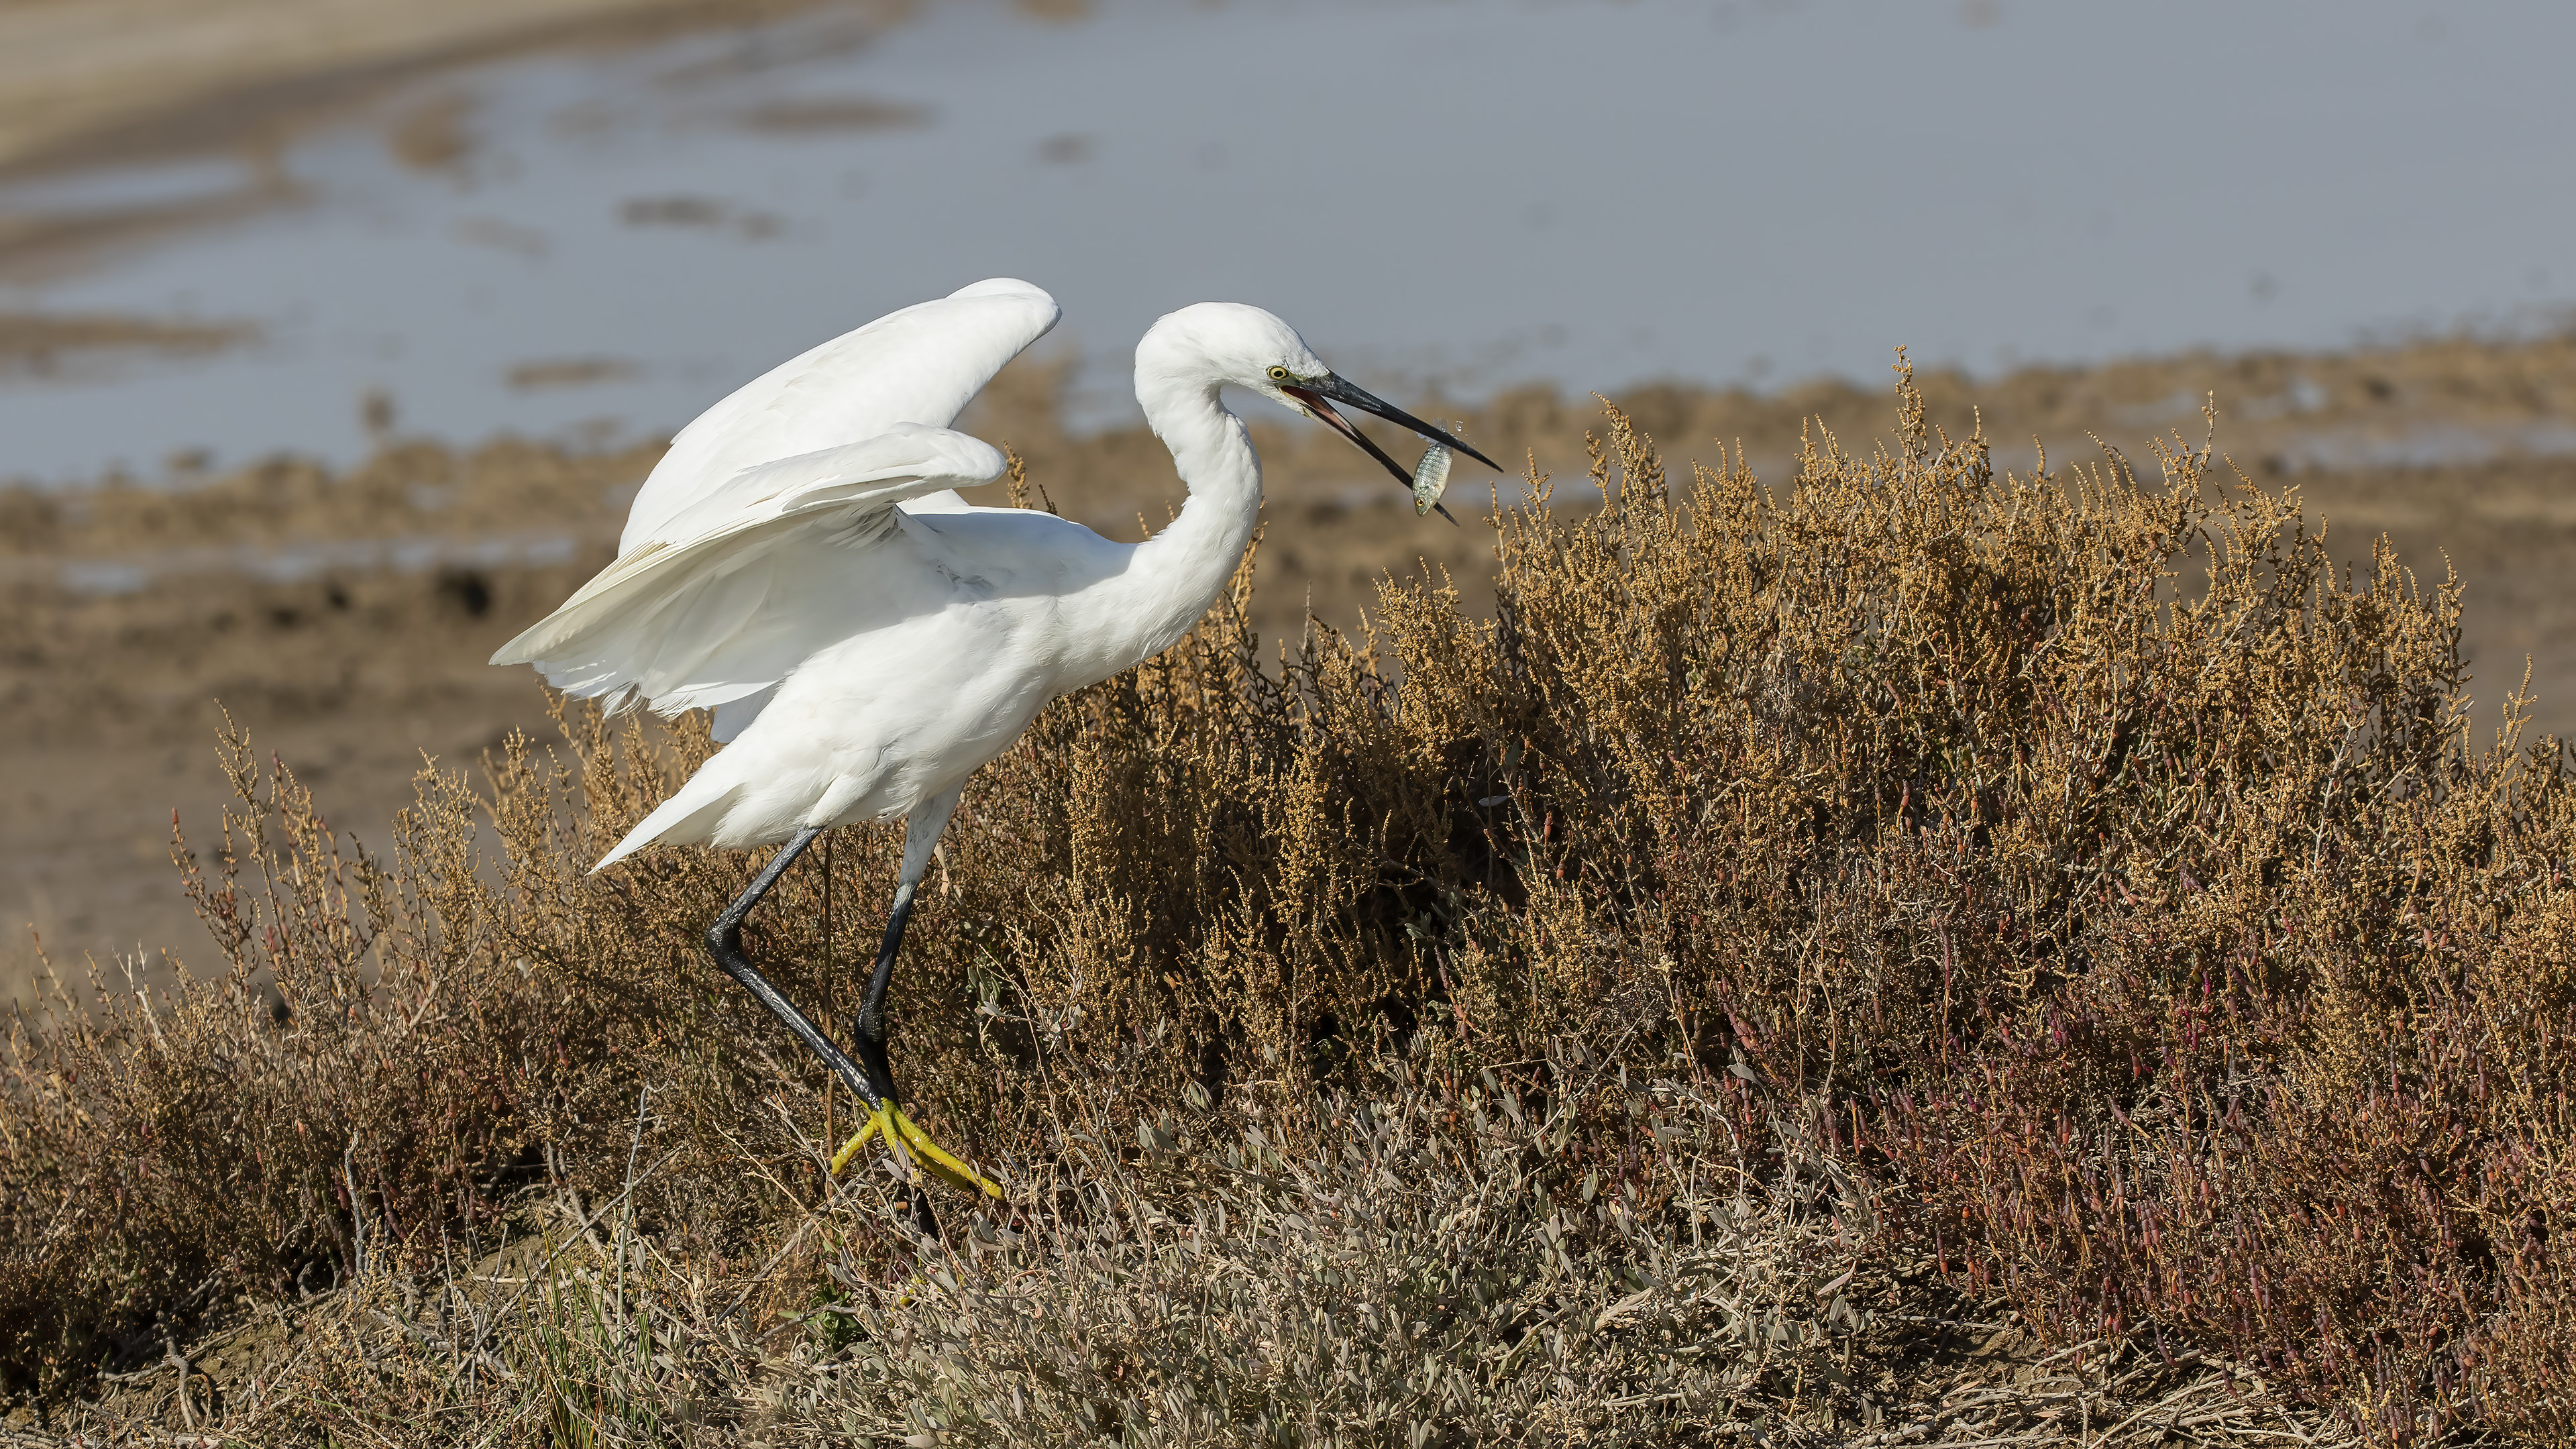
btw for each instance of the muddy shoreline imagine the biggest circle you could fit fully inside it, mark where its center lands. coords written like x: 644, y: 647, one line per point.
x: 85, y: 82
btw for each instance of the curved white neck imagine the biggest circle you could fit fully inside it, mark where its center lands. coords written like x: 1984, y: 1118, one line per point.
x: 1172, y: 578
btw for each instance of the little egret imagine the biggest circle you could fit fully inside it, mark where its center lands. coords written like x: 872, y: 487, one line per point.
x: 800, y: 564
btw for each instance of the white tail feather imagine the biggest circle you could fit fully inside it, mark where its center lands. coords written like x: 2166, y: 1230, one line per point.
x: 688, y: 817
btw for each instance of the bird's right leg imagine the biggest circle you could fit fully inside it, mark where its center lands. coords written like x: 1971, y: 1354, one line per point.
x: 921, y: 834
x: 921, y: 830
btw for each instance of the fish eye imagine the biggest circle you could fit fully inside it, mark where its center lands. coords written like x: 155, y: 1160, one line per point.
x: 1278, y: 374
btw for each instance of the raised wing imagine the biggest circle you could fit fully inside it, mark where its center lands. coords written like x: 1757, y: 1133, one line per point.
x: 921, y: 365
x: 713, y: 616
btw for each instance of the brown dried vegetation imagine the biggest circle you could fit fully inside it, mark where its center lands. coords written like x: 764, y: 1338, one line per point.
x: 1919, y: 956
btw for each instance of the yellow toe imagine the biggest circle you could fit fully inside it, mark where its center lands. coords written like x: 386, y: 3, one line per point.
x: 936, y: 1158
x: 876, y: 1123
x: 910, y: 1141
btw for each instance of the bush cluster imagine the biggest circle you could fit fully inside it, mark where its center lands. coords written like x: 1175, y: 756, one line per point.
x: 2112, y: 900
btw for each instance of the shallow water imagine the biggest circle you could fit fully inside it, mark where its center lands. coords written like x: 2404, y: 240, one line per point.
x: 1435, y: 191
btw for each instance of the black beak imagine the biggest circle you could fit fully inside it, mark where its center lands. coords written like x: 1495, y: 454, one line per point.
x: 1321, y: 395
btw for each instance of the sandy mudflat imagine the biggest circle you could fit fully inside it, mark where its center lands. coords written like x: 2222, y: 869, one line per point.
x: 86, y: 83
x: 86, y: 80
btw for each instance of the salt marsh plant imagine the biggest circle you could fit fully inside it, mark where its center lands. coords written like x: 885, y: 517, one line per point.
x: 1915, y: 953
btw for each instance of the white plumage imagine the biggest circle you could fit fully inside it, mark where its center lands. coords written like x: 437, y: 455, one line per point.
x: 800, y: 564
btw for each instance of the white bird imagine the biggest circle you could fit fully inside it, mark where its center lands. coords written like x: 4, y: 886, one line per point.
x: 800, y: 564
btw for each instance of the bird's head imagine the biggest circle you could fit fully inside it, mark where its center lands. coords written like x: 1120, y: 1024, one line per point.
x: 1214, y: 343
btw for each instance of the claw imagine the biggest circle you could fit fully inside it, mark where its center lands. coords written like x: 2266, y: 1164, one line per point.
x: 900, y: 1134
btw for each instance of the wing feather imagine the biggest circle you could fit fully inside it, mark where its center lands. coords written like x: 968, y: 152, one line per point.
x: 718, y: 616
x: 746, y: 550
x: 920, y: 365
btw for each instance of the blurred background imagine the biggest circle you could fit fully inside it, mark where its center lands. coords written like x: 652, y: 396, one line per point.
x: 335, y: 334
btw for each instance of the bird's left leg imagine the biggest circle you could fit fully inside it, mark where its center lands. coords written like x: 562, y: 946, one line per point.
x: 920, y: 835
x: 724, y: 943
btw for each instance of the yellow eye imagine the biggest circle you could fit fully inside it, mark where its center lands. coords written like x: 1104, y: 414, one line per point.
x: 1278, y: 374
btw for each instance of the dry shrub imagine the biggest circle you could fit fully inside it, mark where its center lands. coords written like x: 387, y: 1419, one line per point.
x: 1418, y: 1275
x: 2106, y: 897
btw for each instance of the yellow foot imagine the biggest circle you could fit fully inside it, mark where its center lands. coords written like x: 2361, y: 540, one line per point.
x: 900, y: 1135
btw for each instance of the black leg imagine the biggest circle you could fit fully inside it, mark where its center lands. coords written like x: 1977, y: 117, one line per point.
x: 724, y: 942
x: 871, y: 1041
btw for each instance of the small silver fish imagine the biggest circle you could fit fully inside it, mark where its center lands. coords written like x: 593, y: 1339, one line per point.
x: 1430, y: 480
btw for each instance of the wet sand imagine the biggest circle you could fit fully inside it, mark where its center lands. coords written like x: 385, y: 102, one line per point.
x: 86, y: 84
x: 85, y: 81
x: 56, y: 346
